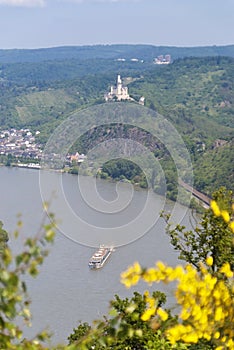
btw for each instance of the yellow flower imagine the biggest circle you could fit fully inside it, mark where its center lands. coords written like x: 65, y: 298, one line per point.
x: 230, y: 344
x: 231, y: 225
x: 162, y: 314
x: 219, y: 314
x: 214, y: 206
x: 150, y: 275
x: 226, y: 270
x: 206, y: 302
x: 190, y: 338
x: 147, y: 314
x: 209, y: 261
x: 216, y: 335
x: 137, y: 267
x: 185, y: 314
x: 225, y: 215
x: 132, y: 275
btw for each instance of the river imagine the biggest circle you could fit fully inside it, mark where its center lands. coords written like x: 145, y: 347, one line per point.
x: 66, y: 290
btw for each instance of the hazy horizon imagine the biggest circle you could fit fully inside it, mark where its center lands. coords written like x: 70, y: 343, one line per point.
x: 110, y: 44
x: 32, y: 24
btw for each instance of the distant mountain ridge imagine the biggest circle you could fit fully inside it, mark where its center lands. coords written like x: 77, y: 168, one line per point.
x: 127, y: 51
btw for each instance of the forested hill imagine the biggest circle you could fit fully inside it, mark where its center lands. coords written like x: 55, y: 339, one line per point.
x: 143, y: 52
x: 196, y: 94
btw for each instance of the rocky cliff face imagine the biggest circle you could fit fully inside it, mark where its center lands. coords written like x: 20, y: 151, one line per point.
x: 104, y: 133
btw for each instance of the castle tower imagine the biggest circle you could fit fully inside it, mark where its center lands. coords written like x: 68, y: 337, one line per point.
x: 119, y: 85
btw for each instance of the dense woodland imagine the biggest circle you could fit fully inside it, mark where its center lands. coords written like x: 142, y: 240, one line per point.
x: 40, y: 88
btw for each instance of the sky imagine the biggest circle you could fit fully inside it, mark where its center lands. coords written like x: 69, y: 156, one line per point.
x: 49, y: 23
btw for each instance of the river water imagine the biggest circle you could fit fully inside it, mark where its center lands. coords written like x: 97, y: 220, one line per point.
x: 66, y: 291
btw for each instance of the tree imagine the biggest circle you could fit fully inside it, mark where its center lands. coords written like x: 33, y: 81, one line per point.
x: 211, y: 237
x: 124, y: 328
x: 14, y: 302
x: 3, y: 237
x: 78, y: 333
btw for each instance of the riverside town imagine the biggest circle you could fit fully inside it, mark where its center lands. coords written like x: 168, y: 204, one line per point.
x: 21, y: 148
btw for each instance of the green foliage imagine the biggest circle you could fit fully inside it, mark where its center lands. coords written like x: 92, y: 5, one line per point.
x: 211, y: 237
x: 74, y: 170
x: 121, y: 169
x: 215, y: 168
x: 182, y: 91
x: 196, y: 95
x: 124, y: 329
x: 15, y: 303
x: 79, y: 332
x: 3, y: 238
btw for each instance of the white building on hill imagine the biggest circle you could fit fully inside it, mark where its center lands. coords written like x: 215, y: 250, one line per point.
x: 118, y: 92
x: 163, y: 59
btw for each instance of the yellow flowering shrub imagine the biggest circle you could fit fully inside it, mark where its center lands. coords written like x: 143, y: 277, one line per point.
x: 207, y: 303
x: 223, y: 213
x: 153, y: 309
x: 206, y: 299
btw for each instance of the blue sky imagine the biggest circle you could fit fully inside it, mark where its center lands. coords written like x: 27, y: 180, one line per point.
x: 46, y: 23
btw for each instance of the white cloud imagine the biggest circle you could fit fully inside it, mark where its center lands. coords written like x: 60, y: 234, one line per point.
x: 23, y: 3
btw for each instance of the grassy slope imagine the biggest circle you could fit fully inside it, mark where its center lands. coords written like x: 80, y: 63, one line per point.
x: 43, y: 104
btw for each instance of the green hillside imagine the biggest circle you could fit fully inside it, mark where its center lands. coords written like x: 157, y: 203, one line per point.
x: 215, y: 169
x: 195, y: 94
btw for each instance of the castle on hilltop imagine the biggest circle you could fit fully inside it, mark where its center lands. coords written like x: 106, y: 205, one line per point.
x: 118, y: 92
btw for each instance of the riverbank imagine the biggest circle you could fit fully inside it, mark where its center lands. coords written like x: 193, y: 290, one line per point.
x: 196, y: 203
